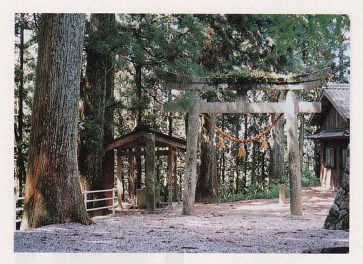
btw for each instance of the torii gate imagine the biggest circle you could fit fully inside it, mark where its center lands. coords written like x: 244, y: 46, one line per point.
x: 290, y: 107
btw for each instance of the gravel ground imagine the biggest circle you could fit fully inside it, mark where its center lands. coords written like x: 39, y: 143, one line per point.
x: 259, y: 226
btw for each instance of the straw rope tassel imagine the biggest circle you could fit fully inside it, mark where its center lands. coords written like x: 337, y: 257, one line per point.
x: 241, y: 151
x: 264, y: 144
x: 221, y: 142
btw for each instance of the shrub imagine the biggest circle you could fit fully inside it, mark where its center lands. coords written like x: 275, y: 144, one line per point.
x: 309, y: 179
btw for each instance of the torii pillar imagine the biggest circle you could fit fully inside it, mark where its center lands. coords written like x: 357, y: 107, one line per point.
x: 292, y: 109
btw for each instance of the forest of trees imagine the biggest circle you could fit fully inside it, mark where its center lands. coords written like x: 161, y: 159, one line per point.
x: 82, y: 80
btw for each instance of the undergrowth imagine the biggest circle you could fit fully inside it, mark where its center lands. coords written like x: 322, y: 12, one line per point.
x: 254, y: 193
x: 308, y: 179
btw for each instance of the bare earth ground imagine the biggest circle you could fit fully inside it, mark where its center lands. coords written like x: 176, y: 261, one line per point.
x: 259, y: 226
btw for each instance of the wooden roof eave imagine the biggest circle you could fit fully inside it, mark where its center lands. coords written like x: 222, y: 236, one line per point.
x: 326, y: 95
x: 136, y: 139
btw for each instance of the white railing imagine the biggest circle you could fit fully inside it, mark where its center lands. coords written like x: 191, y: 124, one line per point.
x: 113, y: 198
x: 18, y: 209
x: 113, y: 206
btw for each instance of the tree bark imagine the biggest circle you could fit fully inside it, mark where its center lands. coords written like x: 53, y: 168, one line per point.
x: 53, y: 193
x: 20, y: 166
x: 108, y: 160
x: 245, y: 161
x: 96, y: 167
x: 206, y: 185
x: 254, y: 163
x: 277, y: 143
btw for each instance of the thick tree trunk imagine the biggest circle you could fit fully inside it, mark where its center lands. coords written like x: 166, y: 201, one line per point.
x: 108, y: 161
x: 94, y: 131
x: 206, y: 184
x: 53, y: 193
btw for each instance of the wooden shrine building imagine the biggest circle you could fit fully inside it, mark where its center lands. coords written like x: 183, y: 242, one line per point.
x: 146, y: 142
x: 333, y: 133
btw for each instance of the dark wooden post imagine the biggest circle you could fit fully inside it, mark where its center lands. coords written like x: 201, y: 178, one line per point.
x: 170, y: 177
x: 293, y: 154
x: 150, y: 171
x: 132, y: 189
x: 120, y: 182
x: 191, y: 155
x: 175, y: 176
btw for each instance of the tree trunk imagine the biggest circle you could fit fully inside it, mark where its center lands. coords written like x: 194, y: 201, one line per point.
x: 138, y: 83
x: 245, y: 161
x: 20, y: 166
x: 108, y: 161
x: 254, y: 163
x: 206, y: 184
x: 277, y: 143
x: 53, y: 193
x: 99, y: 82
x: 223, y: 165
x: 237, y: 159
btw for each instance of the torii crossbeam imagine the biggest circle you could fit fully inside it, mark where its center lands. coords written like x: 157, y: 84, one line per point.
x: 291, y: 107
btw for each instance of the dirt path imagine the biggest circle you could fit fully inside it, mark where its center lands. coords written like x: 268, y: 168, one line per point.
x: 259, y: 226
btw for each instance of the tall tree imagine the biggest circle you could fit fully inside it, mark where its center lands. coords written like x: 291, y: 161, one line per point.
x: 25, y: 44
x: 53, y: 193
x: 97, y: 92
x: 20, y: 159
x: 206, y: 189
x: 277, y: 143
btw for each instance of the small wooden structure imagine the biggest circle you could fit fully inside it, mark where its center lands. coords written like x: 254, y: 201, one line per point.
x: 147, y: 142
x: 333, y: 133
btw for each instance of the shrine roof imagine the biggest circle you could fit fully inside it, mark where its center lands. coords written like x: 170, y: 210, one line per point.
x: 137, y: 138
x: 335, y: 95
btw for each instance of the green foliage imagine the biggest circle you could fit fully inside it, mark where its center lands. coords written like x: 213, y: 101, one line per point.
x: 255, y: 193
x: 308, y: 178
x: 183, y: 102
